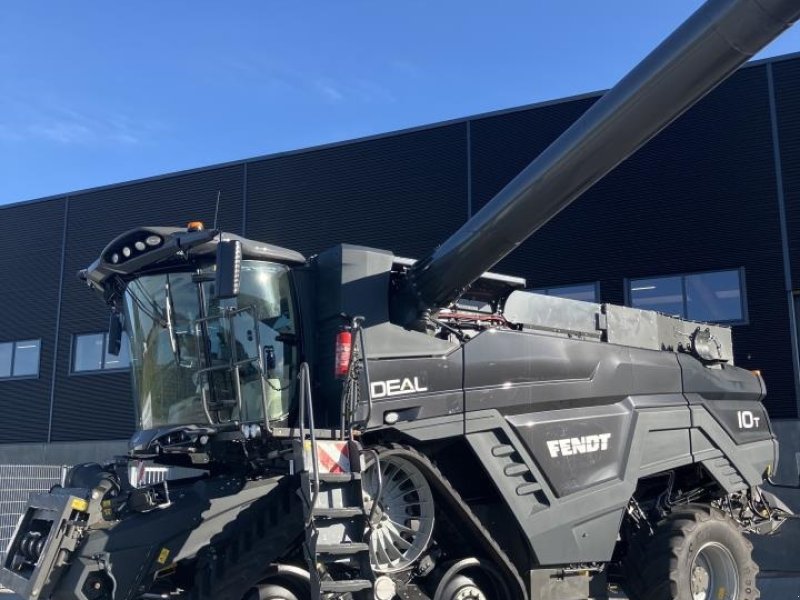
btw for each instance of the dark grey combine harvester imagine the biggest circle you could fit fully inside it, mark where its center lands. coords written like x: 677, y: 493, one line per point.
x: 358, y: 425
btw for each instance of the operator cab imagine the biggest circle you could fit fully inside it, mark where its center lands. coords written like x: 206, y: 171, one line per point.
x: 213, y: 325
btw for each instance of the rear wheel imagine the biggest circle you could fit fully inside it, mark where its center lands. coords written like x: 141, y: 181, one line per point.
x: 696, y: 553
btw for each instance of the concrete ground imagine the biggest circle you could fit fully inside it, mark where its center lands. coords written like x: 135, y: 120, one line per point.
x: 778, y: 557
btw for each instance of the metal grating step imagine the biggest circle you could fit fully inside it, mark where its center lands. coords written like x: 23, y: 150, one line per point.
x: 337, y: 513
x: 341, y: 587
x: 339, y: 477
x: 342, y: 549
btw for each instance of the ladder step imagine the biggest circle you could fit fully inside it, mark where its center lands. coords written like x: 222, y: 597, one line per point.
x: 341, y: 587
x: 504, y: 450
x: 515, y: 469
x: 338, y: 513
x: 338, y: 477
x: 342, y: 549
x: 528, y: 488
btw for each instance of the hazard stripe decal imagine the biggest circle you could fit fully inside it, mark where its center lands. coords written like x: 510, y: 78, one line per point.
x: 332, y: 456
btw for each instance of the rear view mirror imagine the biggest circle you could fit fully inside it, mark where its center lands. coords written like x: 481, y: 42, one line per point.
x: 229, y: 268
x: 114, y: 334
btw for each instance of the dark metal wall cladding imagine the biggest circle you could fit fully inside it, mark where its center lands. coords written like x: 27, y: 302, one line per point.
x: 30, y: 256
x: 701, y: 196
x: 100, y: 406
x: 404, y: 193
x: 786, y: 76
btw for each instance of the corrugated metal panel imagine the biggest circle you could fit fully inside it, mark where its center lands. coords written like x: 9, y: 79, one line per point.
x: 701, y: 196
x: 99, y: 406
x: 405, y: 194
x: 787, y: 99
x: 30, y: 255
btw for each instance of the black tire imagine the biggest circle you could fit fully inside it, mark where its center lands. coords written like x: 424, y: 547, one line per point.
x: 697, y: 549
x: 273, y: 591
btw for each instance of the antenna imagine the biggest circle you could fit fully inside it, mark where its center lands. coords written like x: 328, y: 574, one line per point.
x: 216, y: 210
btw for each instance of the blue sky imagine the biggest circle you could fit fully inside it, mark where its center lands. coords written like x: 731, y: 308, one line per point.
x: 93, y: 93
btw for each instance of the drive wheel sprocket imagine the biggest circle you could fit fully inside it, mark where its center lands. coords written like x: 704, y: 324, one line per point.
x: 402, y: 515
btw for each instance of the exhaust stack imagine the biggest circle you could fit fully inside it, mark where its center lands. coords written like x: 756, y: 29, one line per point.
x: 692, y: 61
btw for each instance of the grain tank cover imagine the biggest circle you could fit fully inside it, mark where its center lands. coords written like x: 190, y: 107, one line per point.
x: 620, y: 325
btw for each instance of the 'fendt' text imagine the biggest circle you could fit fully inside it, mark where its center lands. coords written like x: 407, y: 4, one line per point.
x: 578, y: 445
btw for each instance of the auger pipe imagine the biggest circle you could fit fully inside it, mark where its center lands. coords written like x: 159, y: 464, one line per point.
x: 692, y: 61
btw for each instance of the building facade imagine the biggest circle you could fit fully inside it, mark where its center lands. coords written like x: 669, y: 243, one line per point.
x: 703, y: 222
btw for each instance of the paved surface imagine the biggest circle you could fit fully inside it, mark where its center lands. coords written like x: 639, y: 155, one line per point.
x: 777, y: 555
x: 773, y: 586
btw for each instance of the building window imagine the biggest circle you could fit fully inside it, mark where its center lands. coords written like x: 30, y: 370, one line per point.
x: 19, y: 359
x: 715, y: 297
x: 583, y: 291
x: 90, y: 353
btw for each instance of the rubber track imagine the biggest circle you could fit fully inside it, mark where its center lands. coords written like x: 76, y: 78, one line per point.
x: 462, y: 512
x: 228, y: 568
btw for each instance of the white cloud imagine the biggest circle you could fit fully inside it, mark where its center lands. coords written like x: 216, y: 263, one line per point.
x: 46, y: 119
x: 329, y: 91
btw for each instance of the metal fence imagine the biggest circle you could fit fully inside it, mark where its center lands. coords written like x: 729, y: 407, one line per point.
x: 17, y: 482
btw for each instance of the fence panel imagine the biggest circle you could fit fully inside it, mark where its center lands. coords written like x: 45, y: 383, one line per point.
x: 17, y: 482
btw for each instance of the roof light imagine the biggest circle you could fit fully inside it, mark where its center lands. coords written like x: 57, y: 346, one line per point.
x: 140, y: 246
x: 126, y: 251
x: 115, y: 258
x: 153, y: 240
x: 195, y: 226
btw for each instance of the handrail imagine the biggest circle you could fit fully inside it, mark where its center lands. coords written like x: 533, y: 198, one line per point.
x: 365, y: 362
x: 228, y: 314
x: 305, y: 399
x: 349, y: 408
x: 379, y: 486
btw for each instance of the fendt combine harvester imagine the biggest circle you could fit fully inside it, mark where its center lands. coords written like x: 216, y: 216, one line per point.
x: 362, y: 426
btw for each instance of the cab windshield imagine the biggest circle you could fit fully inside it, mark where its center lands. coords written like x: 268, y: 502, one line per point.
x: 203, y: 360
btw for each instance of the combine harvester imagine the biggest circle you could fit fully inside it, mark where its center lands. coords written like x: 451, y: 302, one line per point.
x: 362, y: 426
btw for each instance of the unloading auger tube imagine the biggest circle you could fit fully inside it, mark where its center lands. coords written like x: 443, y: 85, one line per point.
x: 700, y: 54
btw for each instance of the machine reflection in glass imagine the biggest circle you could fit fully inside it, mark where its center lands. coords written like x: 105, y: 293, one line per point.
x: 200, y: 359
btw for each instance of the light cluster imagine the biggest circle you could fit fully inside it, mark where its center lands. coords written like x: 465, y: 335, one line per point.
x: 128, y: 250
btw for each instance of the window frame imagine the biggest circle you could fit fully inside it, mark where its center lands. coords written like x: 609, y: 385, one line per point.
x: 11, y: 375
x: 593, y: 284
x: 745, y: 318
x: 103, y: 354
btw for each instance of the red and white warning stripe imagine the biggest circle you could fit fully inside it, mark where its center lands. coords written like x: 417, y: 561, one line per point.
x: 333, y: 456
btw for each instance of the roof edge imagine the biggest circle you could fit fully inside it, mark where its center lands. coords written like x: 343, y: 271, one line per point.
x: 377, y: 136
